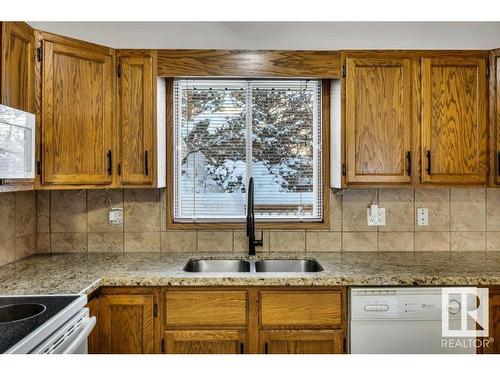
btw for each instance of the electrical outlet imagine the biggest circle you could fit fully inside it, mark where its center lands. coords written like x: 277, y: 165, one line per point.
x: 422, y: 216
x: 115, y: 216
x: 375, y: 216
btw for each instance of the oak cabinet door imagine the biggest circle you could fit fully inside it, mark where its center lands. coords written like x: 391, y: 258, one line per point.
x: 495, y: 116
x: 302, y: 342
x: 17, y: 66
x: 494, y: 322
x: 126, y: 324
x: 378, y: 120
x: 209, y: 341
x: 137, y: 120
x: 77, y: 113
x: 454, y: 120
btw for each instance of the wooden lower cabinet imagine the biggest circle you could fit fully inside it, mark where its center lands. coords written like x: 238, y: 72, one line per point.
x: 205, y: 342
x: 93, y: 340
x: 313, y: 341
x: 126, y: 324
x: 494, y: 320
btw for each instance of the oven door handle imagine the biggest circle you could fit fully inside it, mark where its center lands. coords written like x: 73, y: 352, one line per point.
x: 89, y: 326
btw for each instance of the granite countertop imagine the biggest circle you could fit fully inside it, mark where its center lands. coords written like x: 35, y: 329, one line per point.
x: 84, y: 273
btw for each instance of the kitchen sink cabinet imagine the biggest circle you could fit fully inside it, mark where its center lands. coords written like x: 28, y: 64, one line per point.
x: 378, y: 119
x: 313, y: 341
x: 77, y: 113
x: 127, y: 321
x: 208, y: 341
x: 454, y: 120
x: 253, y: 320
x: 137, y: 118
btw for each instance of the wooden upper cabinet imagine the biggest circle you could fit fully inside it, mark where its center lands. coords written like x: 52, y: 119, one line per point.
x: 137, y: 91
x: 495, y: 117
x: 77, y: 112
x: 17, y: 66
x: 126, y: 324
x: 378, y: 147
x: 454, y: 120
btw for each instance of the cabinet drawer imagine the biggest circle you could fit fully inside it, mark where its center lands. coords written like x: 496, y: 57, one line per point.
x: 202, y: 308
x: 301, y: 308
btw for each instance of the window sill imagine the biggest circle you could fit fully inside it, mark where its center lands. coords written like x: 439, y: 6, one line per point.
x: 242, y: 226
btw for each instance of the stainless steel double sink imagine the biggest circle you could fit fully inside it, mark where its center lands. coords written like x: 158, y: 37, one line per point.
x: 252, y: 265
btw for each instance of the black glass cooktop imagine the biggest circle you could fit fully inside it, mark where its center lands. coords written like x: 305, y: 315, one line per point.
x: 30, y: 313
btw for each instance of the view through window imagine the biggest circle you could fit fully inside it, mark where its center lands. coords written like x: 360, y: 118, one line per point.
x: 228, y: 130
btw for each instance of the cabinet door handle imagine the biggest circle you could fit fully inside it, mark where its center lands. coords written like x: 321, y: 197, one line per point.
x: 428, y: 161
x: 498, y: 162
x: 110, y: 162
x: 266, y: 348
x: 146, y: 163
x: 242, y: 348
x: 408, y: 166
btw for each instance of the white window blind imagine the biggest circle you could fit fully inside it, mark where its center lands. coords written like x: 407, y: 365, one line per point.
x: 228, y: 130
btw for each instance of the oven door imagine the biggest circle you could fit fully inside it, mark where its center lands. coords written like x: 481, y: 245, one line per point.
x: 71, y: 338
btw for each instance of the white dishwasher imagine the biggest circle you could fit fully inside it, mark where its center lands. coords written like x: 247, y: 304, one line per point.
x: 399, y: 321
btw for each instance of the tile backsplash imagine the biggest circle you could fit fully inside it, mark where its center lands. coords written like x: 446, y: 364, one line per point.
x: 17, y: 225
x: 461, y: 219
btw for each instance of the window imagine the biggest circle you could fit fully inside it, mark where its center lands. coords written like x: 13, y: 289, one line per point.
x: 228, y: 130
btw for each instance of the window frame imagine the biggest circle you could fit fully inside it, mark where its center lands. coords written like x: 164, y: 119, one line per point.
x: 171, y: 224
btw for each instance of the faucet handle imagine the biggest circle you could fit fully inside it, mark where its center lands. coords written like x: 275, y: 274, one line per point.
x: 261, y: 241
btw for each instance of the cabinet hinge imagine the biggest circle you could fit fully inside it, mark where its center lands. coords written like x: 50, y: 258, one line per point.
x: 119, y: 70
x: 345, y: 344
x: 344, y: 169
x: 155, y: 310
x: 39, y: 54
x: 163, y: 345
x: 344, y: 72
x: 38, y: 167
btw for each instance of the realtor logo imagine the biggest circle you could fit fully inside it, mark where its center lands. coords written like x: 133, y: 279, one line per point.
x: 464, y: 312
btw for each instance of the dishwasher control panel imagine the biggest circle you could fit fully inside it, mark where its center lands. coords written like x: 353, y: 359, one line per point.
x: 396, y: 303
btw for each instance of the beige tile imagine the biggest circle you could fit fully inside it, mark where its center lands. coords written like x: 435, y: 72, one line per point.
x: 398, y: 204
x: 163, y: 209
x: 493, y: 241
x: 68, y: 211
x: 354, y: 205
x: 468, y: 241
x: 240, y: 242
x: 43, y: 242
x: 335, y: 212
x: 210, y: 241
x: 99, y: 202
x: 359, y: 241
x: 141, y: 210
x: 25, y: 213
x: 7, y: 251
x: 437, y: 201
x: 432, y: 241
x: 43, y: 211
x: 287, y: 241
x: 142, y: 241
x: 468, y: 210
x: 105, y: 242
x: 323, y: 241
x: 7, y: 216
x: 68, y: 242
x: 493, y: 209
x: 395, y: 241
x: 25, y: 246
x: 178, y: 241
